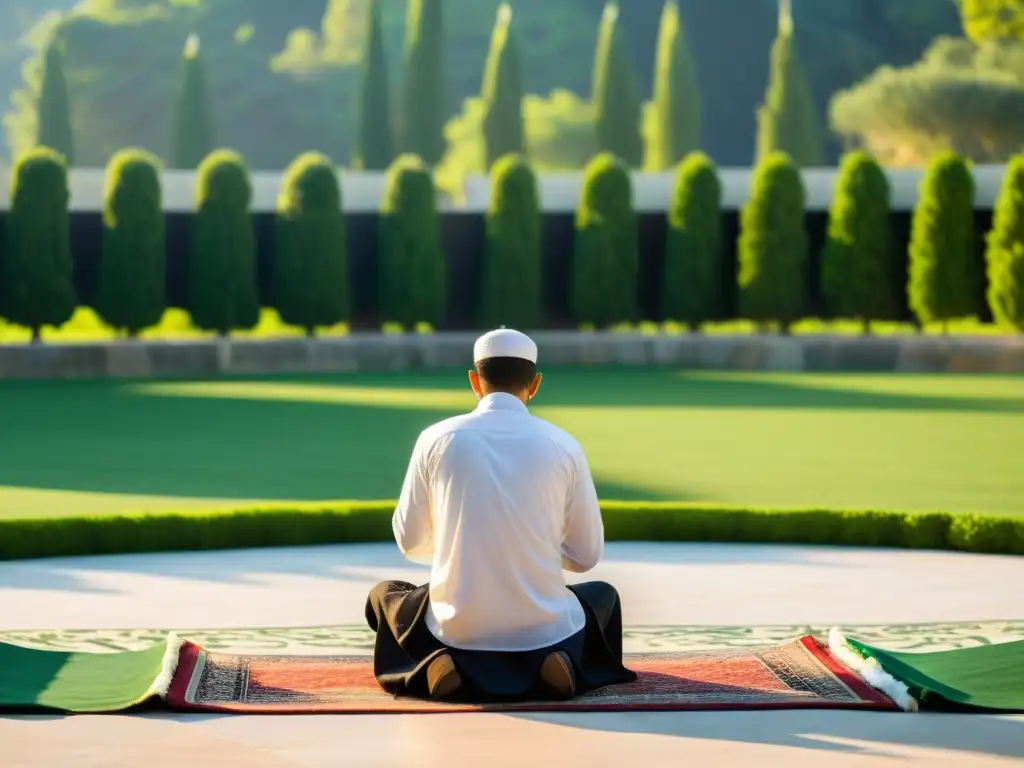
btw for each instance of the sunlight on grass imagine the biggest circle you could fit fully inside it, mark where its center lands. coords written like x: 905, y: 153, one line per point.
x: 44, y: 502
x: 85, y: 326
x: 1008, y: 386
x: 176, y: 325
x: 382, y: 397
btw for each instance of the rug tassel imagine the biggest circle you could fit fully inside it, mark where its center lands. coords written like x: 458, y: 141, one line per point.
x: 870, y: 671
x: 162, y: 684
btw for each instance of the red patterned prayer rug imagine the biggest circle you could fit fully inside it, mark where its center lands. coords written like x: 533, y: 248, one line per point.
x: 798, y: 674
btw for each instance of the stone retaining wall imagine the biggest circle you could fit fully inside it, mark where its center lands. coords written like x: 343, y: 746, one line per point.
x: 379, y: 352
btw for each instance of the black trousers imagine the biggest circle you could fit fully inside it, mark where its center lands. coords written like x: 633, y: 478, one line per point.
x: 396, y: 611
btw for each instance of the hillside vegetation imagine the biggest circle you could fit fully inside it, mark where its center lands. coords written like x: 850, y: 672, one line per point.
x: 283, y: 74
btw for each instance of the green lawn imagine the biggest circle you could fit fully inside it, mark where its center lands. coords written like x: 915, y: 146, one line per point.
x: 953, y: 443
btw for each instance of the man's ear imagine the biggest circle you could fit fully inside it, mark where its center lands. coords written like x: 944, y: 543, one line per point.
x: 474, y: 384
x: 535, y: 385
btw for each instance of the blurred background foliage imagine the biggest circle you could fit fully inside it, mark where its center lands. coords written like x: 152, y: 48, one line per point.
x: 283, y: 73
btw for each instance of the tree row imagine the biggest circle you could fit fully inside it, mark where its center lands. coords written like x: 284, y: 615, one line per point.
x: 414, y: 122
x: 310, y: 283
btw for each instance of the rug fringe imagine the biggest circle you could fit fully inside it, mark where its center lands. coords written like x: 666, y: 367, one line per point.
x: 870, y: 671
x: 162, y: 684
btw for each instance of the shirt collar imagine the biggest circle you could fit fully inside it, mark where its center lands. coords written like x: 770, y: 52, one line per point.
x: 501, y: 401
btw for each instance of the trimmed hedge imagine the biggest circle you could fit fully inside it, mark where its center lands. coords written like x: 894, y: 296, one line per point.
x: 773, y: 247
x: 606, y: 251
x: 365, y: 522
x: 222, y: 290
x: 411, y: 264
x: 311, y: 264
x: 512, y: 294
x: 132, y: 292
x: 942, y: 279
x: 37, y: 273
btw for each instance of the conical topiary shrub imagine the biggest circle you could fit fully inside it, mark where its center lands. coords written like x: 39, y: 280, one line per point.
x: 693, y: 287
x: 606, y: 255
x: 36, y: 278
x: 512, y: 266
x: 222, y: 285
x: 311, y: 286
x: 132, y: 292
x: 773, y: 245
x: 412, y: 267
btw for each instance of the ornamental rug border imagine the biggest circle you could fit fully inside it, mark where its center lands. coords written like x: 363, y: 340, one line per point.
x: 798, y: 674
x: 356, y: 638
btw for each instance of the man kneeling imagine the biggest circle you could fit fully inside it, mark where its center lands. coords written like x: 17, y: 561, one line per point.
x: 500, y: 502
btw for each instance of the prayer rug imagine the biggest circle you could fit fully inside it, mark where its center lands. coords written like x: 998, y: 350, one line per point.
x: 988, y: 678
x: 33, y: 680
x: 798, y: 674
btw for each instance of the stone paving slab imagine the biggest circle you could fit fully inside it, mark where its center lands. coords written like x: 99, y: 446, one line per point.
x: 309, y: 600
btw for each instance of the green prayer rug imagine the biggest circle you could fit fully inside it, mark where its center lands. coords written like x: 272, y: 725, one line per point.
x: 63, y: 681
x: 987, y: 678
x: 976, y: 669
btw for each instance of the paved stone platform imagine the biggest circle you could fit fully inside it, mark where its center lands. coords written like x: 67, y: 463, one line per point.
x: 310, y: 601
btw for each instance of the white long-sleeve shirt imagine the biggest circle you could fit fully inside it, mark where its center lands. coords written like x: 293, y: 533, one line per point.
x: 500, y: 502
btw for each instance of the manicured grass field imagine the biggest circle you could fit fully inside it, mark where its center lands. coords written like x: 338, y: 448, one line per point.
x: 949, y: 443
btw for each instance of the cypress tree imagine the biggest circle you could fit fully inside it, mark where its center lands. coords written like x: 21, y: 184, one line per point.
x: 222, y: 292
x: 858, y: 269
x: 512, y: 266
x: 1005, y: 253
x: 53, y: 111
x: 412, y: 266
x: 693, y: 285
x: 132, y: 294
x: 375, y: 148
x: 424, y: 93
x: 616, y: 96
x: 773, y: 245
x: 311, y: 264
x: 787, y: 122
x: 676, y: 95
x: 502, y: 93
x: 193, y: 124
x: 36, y: 283
x: 606, y: 256
x: 943, y: 280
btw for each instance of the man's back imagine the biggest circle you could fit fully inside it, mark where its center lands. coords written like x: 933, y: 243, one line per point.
x: 502, y: 501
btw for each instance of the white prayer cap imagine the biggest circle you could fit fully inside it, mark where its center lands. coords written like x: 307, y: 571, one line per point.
x: 504, y: 342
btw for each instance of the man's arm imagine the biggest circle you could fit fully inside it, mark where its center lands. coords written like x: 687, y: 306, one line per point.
x: 412, y: 524
x: 583, y: 542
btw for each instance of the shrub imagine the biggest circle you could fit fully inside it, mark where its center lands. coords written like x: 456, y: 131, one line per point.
x: 502, y: 93
x: 424, y: 97
x: 773, y: 245
x: 676, y: 104
x: 1005, y: 254
x: 411, y: 258
x: 512, y: 267
x: 53, y: 127
x: 616, y: 93
x: 787, y: 121
x: 606, y: 253
x: 193, y: 123
x: 374, y: 141
x: 36, y: 284
x: 132, y: 294
x: 311, y: 264
x: 858, y: 269
x: 943, y: 280
x: 693, y: 284
x: 362, y: 522
x: 222, y: 288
